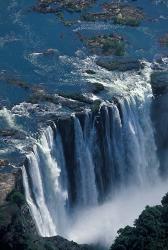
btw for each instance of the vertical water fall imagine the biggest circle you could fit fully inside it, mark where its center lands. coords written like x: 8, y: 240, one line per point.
x: 85, y: 175
x: 108, y: 150
x: 42, y: 183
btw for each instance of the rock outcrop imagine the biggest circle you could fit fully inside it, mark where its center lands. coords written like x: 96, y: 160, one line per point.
x: 159, y: 83
x: 120, y: 64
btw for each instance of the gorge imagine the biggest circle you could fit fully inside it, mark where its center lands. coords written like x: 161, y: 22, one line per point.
x: 110, y: 151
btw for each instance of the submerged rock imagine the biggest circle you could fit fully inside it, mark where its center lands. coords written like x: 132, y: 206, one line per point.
x: 164, y: 40
x: 120, y: 64
x: 16, y: 81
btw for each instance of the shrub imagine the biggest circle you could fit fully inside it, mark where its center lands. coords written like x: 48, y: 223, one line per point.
x: 149, y: 231
x: 17, y: 198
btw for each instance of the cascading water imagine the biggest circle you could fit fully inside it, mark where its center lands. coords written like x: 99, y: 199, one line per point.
x: 87, y: 159
x: 42, y: 186
x: 85, y: 176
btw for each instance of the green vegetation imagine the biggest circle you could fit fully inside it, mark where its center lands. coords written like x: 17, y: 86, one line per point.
x: 106, y: 45
x: 150, y: 230
x: 17, y: 198
x: 116, y: 45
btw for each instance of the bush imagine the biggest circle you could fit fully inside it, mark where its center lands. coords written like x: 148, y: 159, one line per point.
x: 17, y: 198
x: 165, y: 200
x: 150, y: 230
x: 116, y: 45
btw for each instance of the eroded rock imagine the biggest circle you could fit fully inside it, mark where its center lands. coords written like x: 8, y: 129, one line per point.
x: 7, y: 184
x: 159, y: 82
x: 3, y: 163
x: 120, y: 64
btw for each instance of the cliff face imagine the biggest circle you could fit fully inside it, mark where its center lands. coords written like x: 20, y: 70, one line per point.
x: 7, y: 184
x: 159, y: 83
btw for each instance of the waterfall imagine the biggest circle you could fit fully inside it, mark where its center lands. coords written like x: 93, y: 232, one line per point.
x: 85, y: 175
x: 85, y: 159
x: 42, y: 183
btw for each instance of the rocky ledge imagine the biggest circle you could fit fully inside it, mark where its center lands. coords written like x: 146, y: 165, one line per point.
x: 119, y: 13
x: 120, y: 64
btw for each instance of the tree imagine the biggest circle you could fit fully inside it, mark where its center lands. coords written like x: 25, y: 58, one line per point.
x: 150, y: 230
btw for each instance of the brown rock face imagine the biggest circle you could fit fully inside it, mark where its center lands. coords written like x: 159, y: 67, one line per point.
x: 7, y: 184
x: 3, y: 163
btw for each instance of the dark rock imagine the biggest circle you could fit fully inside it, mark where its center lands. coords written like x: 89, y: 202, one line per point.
x: 21, y: 83
x: 72, y: 104
x: 160, y: 63
x: 120, y: 13
x: 159, y: 82
x: 54, y: 6
x: 124, y: 14
x: 14, y: 133
x: 96, y: 87
x: 90, y: 72
x: 3, y: 163
x: 43, y: 8
x: 120, y: 64
x: 65, y: 126
x: 76, y: 97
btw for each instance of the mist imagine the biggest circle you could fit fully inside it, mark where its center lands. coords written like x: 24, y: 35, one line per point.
x: 99, y: 225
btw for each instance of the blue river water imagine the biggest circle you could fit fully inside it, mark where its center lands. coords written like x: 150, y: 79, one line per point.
x: 28, y: 37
